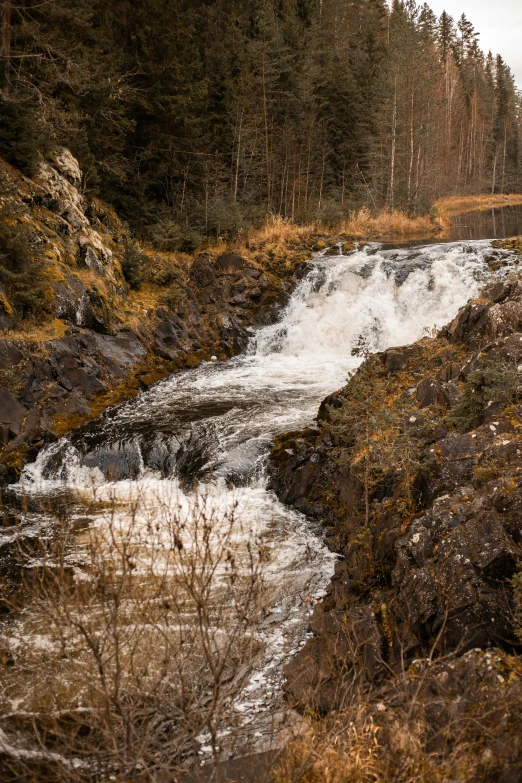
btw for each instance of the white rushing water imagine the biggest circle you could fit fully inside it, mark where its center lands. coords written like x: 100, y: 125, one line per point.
x: 214, y: 424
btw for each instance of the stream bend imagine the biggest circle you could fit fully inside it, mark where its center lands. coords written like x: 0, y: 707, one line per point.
x: 208, y: 431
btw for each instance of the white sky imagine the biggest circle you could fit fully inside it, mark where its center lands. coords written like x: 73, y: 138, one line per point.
x: 499, y: 23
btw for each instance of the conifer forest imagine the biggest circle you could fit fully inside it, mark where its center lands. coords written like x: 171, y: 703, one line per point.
x: 198, y: 118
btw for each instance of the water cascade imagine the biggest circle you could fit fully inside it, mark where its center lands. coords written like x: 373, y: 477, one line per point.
x: 207, y: 431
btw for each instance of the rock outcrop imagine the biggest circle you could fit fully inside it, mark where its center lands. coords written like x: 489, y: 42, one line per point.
x: 95, y: 340
x: 420, y: 492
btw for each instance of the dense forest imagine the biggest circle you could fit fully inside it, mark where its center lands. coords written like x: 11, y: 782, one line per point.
x: 197, y: 117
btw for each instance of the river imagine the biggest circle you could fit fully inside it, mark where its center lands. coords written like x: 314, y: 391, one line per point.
x: 207, y: 432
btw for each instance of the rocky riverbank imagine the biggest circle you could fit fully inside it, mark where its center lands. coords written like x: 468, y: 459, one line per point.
x: 415, y: 468
x: 92, y: 340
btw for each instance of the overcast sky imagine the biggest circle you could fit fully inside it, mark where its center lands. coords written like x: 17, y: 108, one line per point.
x: 499, y: 23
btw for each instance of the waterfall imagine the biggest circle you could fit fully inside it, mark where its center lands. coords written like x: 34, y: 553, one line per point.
x: 212, y: 426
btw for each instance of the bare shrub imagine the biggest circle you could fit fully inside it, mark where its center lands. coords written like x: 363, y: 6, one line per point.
x: 134, y: 646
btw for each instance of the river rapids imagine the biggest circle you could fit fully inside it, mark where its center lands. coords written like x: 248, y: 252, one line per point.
x: 207, y: 432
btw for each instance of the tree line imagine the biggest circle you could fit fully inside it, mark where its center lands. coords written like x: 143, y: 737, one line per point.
x: 196, y: 118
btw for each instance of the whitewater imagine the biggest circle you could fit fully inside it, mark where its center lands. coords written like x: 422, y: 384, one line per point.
x: 207, y: 432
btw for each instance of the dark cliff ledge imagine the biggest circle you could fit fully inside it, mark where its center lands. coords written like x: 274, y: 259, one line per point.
x: 415, y: 468
x: 75, y: 337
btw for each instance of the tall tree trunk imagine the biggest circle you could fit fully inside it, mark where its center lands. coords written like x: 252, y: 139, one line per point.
x: 308, y: 173
x: 5, y: 43
x: 504, y: 161
x: 391, y: 199
x: 494, y: 182
x: 238, y: 156
x: 322, y: 182
x: 267, y: 137
x: 412, y: 144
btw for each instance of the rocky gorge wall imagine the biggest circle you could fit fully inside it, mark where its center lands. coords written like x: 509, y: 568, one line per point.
x: 95, y: 341
x: 415, y: 470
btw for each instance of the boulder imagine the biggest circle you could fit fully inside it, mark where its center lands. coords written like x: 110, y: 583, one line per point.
x: 68, y: 166
x: 333, y: 401
x: 230, y: 263
x: 10, y: 355
x: 453, y: 566
x: 344, y: 655
x: 202, y: 272
x: 429, y: 393
x: 12, y: 414
x: 396, y: 359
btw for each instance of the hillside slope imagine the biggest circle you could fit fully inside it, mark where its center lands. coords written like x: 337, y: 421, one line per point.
x: 88, y: 317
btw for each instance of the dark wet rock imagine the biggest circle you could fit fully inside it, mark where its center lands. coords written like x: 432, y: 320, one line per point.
x: 230, y: 263
x: 449, y: 372
x: 332, y: 402
x: 429, y: 392
x: 12, y: 413
x: 471, y: 324
x: 10, y: 355
x: 344, y: 655
x: 432, y: 392
x: 430, y: 544
x: 479, y: 323
x: 167, y: 338
x: 332, y: 251
x: 303, y: 269
x: 451, y: 394
x: 202, y: 272
x: 500, y: 291
x: 397, y: 358
x: 402, y: 271
x: 452, y: 574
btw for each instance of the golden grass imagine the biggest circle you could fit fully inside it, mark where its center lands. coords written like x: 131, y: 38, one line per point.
x: 278, y: 228
x: 367, y: 225
x: 361, y: 224
x: 362, y: 752
x: 451, y: 206
x: 279, y: 235
x: 49, y: 330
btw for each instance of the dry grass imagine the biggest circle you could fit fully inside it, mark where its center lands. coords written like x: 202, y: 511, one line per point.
x: 361, y: 224
x: 457, y: 205
x: 278, y: 233
x: 359, y: 749
x: 50, y: 330
x: 277, y: 228
x: 366, y: 225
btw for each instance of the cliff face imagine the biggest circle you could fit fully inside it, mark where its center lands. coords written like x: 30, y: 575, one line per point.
x: 75, y: 338
x: 415, y: 468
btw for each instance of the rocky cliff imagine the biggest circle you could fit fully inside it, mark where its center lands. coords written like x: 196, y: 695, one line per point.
x: 75, y: 337
x: 415, y: 468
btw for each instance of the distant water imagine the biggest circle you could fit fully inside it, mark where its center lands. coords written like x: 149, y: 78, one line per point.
x: 493, y: 223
